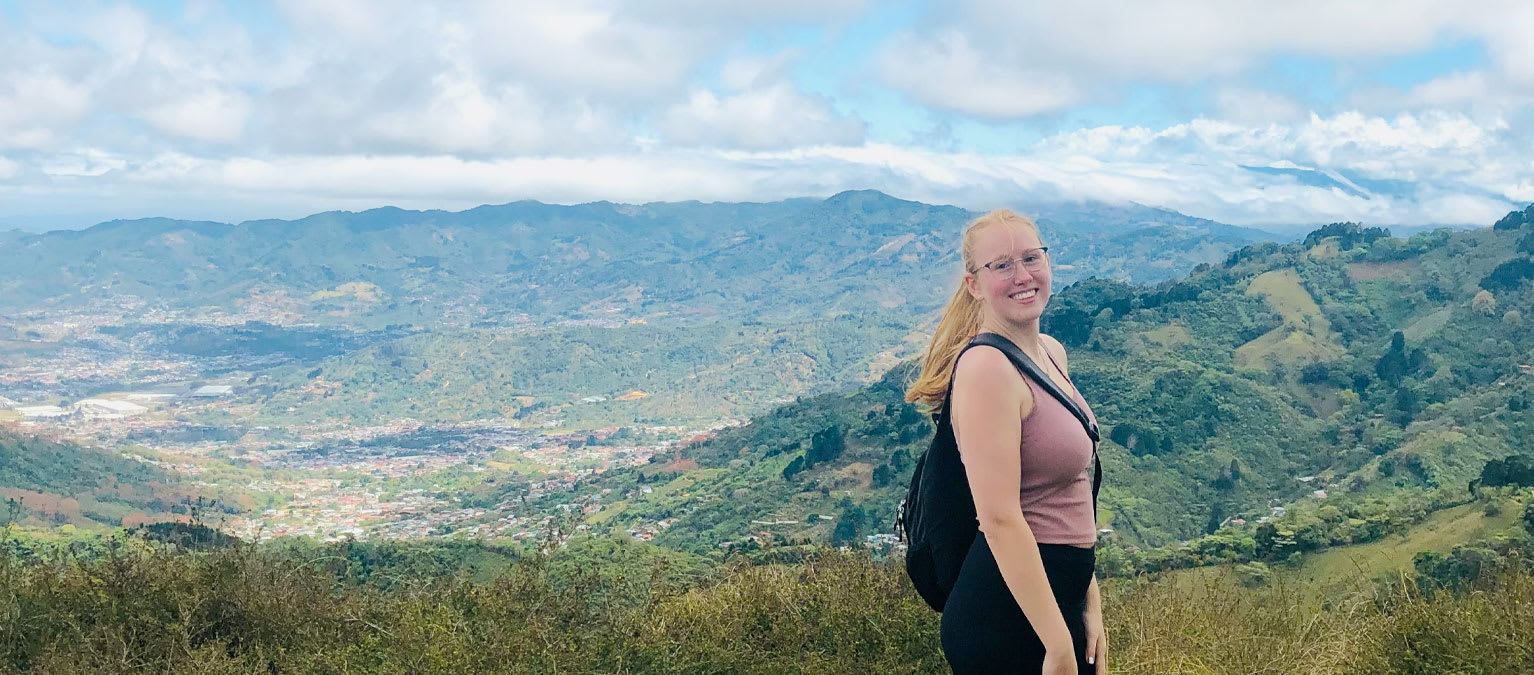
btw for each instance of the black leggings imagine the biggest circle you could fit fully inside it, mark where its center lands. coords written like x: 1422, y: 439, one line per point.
x: 984, y: 631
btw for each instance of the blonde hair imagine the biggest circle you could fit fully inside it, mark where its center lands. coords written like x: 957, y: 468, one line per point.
x: 960, y: 320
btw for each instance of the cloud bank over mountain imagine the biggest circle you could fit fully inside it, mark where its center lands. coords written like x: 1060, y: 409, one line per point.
x: 1303, y: 113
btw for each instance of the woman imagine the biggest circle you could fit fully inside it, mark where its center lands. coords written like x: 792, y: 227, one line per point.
x: 1026, y: 599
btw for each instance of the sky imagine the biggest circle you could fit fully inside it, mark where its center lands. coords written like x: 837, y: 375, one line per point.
x: 1404, y: 112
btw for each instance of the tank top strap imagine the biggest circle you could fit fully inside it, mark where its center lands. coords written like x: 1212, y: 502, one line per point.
x: 1051, y: 357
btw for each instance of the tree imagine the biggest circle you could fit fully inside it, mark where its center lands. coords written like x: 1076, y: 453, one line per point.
x: 1513, y: 470
x: 826, y: 445
x: 793, y: 468
x: 1509, y: 275
x: 1392, y: 366
x: 1071, y: 326
x: 1253, y: 575
x: 1315, y: 373
x: 1511, y: 221
x: 849, y: 525
x: 883, y: 474
x: 1526, y: 244
x: 1484, y: 304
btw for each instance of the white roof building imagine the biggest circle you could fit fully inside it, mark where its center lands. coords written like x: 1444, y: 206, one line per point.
x: 213, y: 390
x: 149, y: 395
x: 41, y: 411
x: 100, y: 408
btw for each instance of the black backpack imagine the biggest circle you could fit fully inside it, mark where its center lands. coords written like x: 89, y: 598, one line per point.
x: 937, y: 517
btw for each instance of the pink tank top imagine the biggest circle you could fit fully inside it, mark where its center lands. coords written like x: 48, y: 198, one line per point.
x: 1057, y: 470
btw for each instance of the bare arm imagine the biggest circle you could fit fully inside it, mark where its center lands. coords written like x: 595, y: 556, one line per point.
x: 1094, y: 597
x: 989, y: 401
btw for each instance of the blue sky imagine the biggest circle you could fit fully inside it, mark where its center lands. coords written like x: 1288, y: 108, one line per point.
x: 1402, y: 112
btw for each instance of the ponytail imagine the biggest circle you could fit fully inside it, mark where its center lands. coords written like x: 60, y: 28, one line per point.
x: 960, y: 322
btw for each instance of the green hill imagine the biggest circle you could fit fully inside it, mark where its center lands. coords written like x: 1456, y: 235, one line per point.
x: 47, y: 483
x: 1282, y: 371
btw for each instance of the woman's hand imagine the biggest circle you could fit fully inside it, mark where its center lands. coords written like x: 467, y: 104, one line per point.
x: 1060, y: 661
x: 1097, y: 638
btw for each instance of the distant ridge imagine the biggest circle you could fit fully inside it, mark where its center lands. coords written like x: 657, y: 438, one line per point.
x: 518, y: 256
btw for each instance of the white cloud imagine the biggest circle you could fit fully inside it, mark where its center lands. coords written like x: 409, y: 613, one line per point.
x: 761, y: 110
x: 209, y: 115
x: 1060, y: 53
x: 348, y: 103
x: 1255, y: 106
x: 948, y: 72
x: 776, y: 116
x: 744, y: 12
x: 1193, y: 39
x: 1450, y: 171
x: 1449, y: 90
x: 35, y: 104
x: 87, y: 162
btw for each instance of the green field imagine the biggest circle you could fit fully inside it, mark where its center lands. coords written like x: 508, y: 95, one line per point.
x: 1393, y: 555
x: 1306, y: 336
x: 1355, y: 567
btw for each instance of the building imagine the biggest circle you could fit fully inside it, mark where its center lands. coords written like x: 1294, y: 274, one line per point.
x: 149, y: 396
x: 33, y: 412
x: 213, y: 391
x: 104, y: 409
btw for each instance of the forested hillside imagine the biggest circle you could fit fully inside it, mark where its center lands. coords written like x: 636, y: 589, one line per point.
x: 1349, y: 369
x: 52, y: 483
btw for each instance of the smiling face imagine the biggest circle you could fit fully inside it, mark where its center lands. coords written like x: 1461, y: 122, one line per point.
x: 1017, y: 297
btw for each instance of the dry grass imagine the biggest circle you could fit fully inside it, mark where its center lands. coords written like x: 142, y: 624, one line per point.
x: 136, y: 609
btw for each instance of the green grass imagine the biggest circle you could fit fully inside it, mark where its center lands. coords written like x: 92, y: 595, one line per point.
x: 607, y: 513
x: 1389, y: 557
x: 1306, y: 336
x: 1427, y: 325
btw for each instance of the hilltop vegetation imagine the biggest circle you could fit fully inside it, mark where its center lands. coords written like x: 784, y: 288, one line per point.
x: 598, y: 606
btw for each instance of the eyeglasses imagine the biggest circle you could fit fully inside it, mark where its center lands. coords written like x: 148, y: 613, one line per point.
x: 1032, y: 260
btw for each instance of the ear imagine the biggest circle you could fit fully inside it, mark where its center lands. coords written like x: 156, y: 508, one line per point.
x: 972, y: 285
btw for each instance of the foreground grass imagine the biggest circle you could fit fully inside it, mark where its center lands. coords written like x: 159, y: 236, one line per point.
x: 139, y: 608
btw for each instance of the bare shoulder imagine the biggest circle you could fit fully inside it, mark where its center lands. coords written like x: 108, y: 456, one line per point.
x: 985, y: 377
x: 987, y: 391
x: 985, y: 369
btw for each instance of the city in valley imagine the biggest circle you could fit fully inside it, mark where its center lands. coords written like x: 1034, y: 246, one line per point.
x: 75, y: 376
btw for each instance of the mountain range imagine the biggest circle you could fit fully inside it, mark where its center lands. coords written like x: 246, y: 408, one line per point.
x: 711, y: 310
